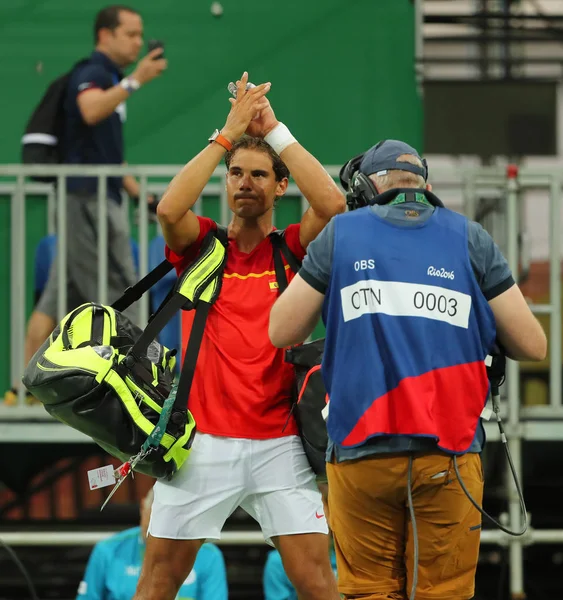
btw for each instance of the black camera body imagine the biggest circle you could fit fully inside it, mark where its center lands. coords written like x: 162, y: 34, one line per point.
x: 496, y: 367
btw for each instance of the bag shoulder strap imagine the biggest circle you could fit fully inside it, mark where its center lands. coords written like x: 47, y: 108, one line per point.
x: 134, y: 293
x: 197, y: 288
x: 222, y: 234
x: 198, y: 327
x: 280, y: 249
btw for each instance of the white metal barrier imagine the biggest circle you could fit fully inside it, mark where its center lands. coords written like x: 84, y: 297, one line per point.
x: 20, y: 187
x: 523, y: 422
x: 228, y: 538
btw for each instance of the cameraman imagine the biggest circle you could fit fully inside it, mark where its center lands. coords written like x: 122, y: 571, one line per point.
x: 413, y: 296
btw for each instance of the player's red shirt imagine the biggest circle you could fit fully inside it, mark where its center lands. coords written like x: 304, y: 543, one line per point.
x: 242, y: 385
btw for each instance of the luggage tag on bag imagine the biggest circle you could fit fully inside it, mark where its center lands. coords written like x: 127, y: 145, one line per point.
x: 151, y: 443
x: 102, y: 477
x: 105, y: 476
x: 121, y: 473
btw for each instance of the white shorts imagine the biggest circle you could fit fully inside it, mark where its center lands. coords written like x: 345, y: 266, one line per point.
x: 270, y: 479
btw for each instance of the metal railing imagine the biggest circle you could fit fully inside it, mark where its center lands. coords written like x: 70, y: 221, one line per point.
x: 499, y: 40
x: 524, y: 423
x: 18, y: 191
x: 228, y: 538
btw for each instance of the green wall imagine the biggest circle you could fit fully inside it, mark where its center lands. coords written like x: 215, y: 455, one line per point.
x: 341, y: 70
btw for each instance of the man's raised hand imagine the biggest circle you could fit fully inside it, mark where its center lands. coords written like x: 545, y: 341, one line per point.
x: 150, y: 66
x: 263, y: 123
x: 245, y: 107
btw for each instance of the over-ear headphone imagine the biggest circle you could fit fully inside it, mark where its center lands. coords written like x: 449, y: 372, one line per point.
x: 360, y: 189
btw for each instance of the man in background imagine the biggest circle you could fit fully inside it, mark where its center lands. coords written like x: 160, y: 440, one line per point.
x: 115, y: 563
x: 94, y: 114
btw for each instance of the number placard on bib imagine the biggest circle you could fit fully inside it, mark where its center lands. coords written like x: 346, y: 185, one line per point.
x: 400, y: 299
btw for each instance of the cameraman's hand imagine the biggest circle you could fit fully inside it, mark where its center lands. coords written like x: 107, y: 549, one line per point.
x: 150, y: 66
x: 245, y: 107
x: 263, y: 123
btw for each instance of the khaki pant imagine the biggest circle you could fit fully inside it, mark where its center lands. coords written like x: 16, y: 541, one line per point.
x: 369, y: 518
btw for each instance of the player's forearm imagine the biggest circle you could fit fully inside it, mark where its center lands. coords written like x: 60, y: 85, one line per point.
x: 314, y: 182
x: 187, y: 186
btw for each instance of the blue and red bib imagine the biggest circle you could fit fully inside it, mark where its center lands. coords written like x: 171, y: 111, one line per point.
x: 408, y: 330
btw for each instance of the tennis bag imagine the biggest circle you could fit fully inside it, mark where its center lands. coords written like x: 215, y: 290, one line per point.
x: 104, y: 376
x: 310, y: 397
x: 310, y: 401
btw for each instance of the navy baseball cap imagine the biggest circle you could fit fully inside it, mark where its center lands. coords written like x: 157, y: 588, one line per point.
x: 383, y: 157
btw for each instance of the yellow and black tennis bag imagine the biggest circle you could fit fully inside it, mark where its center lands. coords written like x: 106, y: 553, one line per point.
x: 104, y: 376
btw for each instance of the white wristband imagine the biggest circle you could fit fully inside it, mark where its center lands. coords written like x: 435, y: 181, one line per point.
x: 130, y: 84
x: 280, y: 138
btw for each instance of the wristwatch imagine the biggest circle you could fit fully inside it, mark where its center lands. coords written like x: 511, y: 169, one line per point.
x: 130, y: 84
x: 221, y: 140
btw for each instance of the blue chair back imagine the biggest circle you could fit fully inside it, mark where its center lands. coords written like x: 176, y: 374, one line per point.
x: 135, y: 253
x: 170, y: 335
x: 44, y: 256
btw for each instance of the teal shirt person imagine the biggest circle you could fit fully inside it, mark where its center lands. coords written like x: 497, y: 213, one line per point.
x: 114, y: 567
x: 276, y: 583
